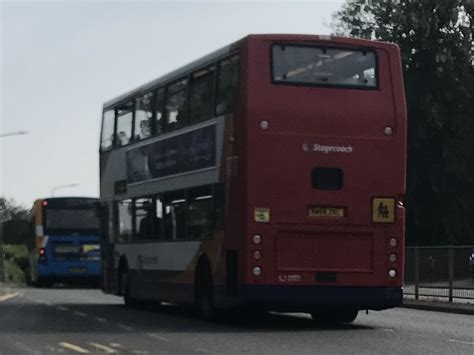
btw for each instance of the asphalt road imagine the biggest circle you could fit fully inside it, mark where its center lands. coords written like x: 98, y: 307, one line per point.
x: 81, y: 321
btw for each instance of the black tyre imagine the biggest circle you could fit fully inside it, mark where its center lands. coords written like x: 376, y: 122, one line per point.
x: 204, y: 294
x: 42, y: 283
x: 336, y: 316
x: 125, y: 290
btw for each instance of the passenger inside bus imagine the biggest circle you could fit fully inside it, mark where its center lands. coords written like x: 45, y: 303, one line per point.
x: 122, y: 138
x: 145, y: 129
x: 150, y: 225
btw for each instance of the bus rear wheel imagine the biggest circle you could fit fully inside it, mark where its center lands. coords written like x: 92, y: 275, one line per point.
x: 336, y: 316
x: 204, y: 299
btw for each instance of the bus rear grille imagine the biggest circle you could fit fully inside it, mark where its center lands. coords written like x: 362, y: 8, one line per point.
x: 324, y: 251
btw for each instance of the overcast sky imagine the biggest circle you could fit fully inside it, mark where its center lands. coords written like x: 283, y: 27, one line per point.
x: 61, y: 60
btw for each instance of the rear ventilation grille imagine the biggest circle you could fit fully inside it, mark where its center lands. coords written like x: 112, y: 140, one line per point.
x: 327, y: 178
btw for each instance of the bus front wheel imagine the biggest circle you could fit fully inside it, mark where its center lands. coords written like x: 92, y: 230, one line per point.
x: 336, y: 316
x: 125, y: 289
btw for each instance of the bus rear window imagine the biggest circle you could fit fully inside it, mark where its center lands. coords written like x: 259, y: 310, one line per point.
x: 70, y: 220
x: 312, y: 66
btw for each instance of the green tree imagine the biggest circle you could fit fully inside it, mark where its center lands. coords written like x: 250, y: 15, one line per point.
x: 14, y: 229
x: 14, y: 222
x: 437, y: 49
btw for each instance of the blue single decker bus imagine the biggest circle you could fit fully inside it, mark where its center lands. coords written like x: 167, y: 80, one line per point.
x: 65, y: 243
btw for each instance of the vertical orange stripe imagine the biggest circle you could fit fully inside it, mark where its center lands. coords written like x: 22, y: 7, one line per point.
x: 38, y: 212
x: 38, y: 206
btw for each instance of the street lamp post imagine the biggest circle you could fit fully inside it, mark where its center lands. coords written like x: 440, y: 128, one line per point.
x: 62, y: 187
x: 16, y: 133
x: 2, y: 252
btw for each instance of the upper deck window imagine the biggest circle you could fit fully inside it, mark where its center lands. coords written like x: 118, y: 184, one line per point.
x: 201, y: 94
x: 143, y: 115
x: 302, y: 65
x: 228, y: 85
x: 108, y: 123
x: 124, y: 124
x: 159, y: 123
x: 176, y: 105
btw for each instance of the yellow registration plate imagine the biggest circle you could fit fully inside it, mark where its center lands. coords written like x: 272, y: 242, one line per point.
x: 77, y: 270
x: 320, y: 211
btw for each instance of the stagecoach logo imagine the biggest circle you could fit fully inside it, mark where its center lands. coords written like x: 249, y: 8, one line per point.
x: 309, y: 147
x: 145, y: 261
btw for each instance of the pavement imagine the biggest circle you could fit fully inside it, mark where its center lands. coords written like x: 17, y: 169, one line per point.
x: 439, y: 306
x: 7, y: 292
x: 85, y: 321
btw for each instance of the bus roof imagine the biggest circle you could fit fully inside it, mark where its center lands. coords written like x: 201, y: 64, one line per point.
x: 80, y: 198
x: 222, y: 52
x: 174, y: 74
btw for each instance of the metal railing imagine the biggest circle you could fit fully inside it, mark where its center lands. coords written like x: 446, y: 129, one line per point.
x: 444, y: 272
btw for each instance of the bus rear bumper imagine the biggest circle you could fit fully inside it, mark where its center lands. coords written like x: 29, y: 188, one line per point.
x: 70, y: 271
x: 312, y: 298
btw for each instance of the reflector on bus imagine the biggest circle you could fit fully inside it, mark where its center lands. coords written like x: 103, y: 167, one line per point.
x: 262, y: 215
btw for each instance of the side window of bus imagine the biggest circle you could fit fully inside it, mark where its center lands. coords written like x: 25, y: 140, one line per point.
x: 228, y: 85
x: 143, y: 117
x: 200, y: 213
x: 158, y: 215
x: 124, y: 123
x: 159, y: 123
x: 201, y: 99
x: 108, y: 123
x: 176, y: 105
x: 145, y: 220
x: 175, y: 215
x: 124, y: 221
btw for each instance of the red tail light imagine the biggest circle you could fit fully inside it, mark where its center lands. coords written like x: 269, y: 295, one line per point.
x: 42, y: 252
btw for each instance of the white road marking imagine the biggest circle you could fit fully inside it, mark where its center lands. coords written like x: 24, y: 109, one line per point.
x: 62, y: 308
x: 461, y: 341
x: 80, y: 314
x: 43, y: 302
x: 202, y: 350
x: 125, y: 327
x: 74, y: 347
x: 26, y: 348
x: 159, y: 337
x: 105, y: 348
x: 102, y: 320
x: 387, y: 330
x: 50, y: 348
x: 8, y: 296
x: 116, y: 345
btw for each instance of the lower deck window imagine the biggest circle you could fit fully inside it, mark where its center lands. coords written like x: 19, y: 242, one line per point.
x: 148, y: 219
x: 175, y: 215
x: 191, y: 214
x: 124, y: 217
x: 201, y: 213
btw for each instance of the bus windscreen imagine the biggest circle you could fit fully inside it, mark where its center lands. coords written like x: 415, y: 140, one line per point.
x: 318, y: 66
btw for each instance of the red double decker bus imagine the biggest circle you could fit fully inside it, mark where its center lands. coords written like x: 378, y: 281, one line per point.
x: 270, y: 173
